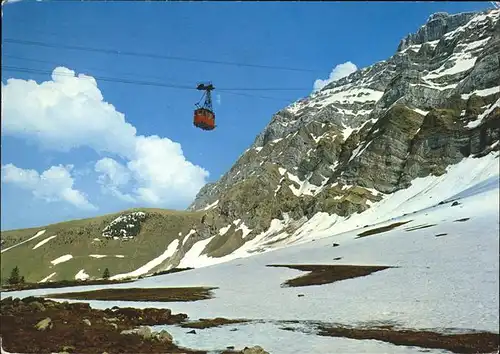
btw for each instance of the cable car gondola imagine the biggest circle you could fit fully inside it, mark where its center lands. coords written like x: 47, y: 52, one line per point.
x: 204, y: 116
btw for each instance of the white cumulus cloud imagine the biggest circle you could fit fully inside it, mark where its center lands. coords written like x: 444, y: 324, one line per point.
x: 162, y: 172
x: 54, y: 184
x: 338, y: 72
x: 112, y: 176
x: 69, y: 111
x: 65, y: 113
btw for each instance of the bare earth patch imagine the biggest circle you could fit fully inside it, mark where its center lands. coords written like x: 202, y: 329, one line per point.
x: 418, y: 227
x: 381, y: 229
x: 211, y: 322
x: 462, y: 220
x: 37, y: 325
x: 170, y: 271
x: 34, y: 325
x: 61, y: 284
x: 141, y: 294
x: 482, y: 342
x: 326, y: 274
x: 440, y: 235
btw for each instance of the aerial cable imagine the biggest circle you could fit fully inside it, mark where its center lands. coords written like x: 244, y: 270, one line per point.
x: 86, y: 68
x: 150, y: 55
x: 134, y: 82
x: 141, y: 82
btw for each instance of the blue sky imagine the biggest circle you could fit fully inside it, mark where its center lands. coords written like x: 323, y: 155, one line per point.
x: 88, y: 170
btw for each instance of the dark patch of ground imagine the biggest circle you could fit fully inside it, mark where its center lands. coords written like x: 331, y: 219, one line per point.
x: 60, y: 284
x: 439, y: 235
x: 382, y: 229
x: 462, y: 220
x: 141, y: 294
x: 483, y: 342
x: 68, y: 328
x: 418, y: 227
x: 77, y: 328
x: 326, y: 274
x: 211, y: 322
x: 170, y: 271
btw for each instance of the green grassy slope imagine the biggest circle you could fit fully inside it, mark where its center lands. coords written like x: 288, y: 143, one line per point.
x: 76, y: 238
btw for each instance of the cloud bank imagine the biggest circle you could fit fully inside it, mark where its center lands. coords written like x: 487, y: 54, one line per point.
x: 69, y: 111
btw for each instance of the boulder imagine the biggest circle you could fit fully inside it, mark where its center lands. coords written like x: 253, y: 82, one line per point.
x: 164, y: 336
x: 44, y: 324
x: 37, y: 306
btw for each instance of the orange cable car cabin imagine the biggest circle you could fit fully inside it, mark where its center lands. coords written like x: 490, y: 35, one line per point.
x: 204, y: 116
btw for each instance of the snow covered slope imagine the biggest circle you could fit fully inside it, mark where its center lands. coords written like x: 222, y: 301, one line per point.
x: 445, y: 276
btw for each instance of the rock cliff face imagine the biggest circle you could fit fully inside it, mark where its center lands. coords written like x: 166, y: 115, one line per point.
x: 434, y: 102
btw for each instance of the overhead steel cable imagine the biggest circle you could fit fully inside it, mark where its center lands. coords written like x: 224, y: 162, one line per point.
x: 133, y: 82
x: 147, y: 83
x: 257, y: 96
x: 150, y: 55
x: 102, y: 78
x: 86, y: 68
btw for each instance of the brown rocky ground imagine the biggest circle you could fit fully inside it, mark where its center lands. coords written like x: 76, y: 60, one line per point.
x: 60, y: 284
x: 140, y: 294
x: 482, y: 342
x: 419, y: 227
x: 326, y: 274
x: 34, y: 325
x: 203, y: 323
x: 381, y: 229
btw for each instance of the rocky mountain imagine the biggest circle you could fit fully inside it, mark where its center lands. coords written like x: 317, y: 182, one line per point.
x: 329, y: 156
x: 434, y: 102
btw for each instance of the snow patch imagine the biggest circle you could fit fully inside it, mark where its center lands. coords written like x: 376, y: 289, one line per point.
x: 482, y: 93
x: 347, y: 131
x: 41, y: 243
x: 473, y: 45
x: 81, y: 275
x: 193, y: 257
x: 191, y: 232
x: 210, y: 206
x: 62, y: 259
x: 358, y: 151
x: 420, y: 111
x: 47, y: 278
x: 224, y: 230
x: 294, y: 178
x: 171, y: 249
x: 483, y: 115
x: 38, y: 234
x: 318, y: 138
x: 244, y: 229
x: 462, y: 62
